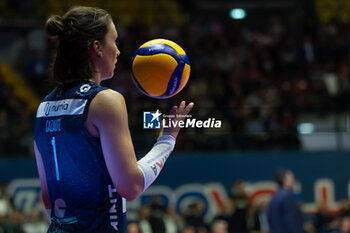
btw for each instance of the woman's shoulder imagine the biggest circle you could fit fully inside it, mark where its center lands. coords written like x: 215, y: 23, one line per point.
x: 109, y: 96
x: 107, y: 103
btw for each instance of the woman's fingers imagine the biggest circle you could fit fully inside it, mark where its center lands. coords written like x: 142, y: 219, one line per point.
x: 183, y: 109
x: 188, y: 108
x: 178, y: 113
x: 182, y: 105
x: 173, y: 110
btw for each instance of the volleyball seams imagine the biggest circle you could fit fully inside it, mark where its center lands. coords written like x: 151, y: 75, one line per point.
x: 172, y: 77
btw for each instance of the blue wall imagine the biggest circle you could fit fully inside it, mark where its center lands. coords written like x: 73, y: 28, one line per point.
x: 17, y: 168
x: 224, y: 168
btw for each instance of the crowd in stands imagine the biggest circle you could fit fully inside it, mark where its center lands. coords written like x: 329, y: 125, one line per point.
x: 16, y: 123
x: 255, y: 79
x: 237, y: 216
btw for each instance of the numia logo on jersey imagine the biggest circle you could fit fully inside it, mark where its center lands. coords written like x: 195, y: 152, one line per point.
x: 55, y: 107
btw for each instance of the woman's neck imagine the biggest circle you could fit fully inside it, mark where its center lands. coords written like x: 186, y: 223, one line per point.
x: 96, y: 78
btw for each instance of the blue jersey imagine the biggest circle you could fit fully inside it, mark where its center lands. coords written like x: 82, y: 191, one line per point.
x: 82, y: 196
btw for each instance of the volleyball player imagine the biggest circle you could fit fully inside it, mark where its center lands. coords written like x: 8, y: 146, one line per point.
x: 84, y: 151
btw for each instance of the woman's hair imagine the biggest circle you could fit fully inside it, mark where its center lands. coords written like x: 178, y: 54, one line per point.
x: 75, y: 31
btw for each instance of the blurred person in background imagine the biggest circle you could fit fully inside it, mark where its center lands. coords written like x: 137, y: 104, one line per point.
x: 219, y: 226
x: 14, y: 222
x: 35, y: 223
x: 189, y: 229
x: 157, y: 214
x: 284, y: 214
x: 194, y: 216
x: 344, y: 208
x: 5, y: 206
x: 226, y: 212
x: 321, y: 219
x: 309, y: 228
x: 172, y: 221
x: 144, y: 219
x: 240, y: 199
x: 257, y: 217
x: 133, y: 227
x: 262, y: 216
x: 344, y: 226
x: 5, y: 203
x: 235, y: 220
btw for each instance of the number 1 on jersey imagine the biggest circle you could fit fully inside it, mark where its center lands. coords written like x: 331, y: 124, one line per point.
x: 53, y: 143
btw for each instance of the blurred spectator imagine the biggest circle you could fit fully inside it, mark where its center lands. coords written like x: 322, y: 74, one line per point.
x: 284, y: 214
x: 35, y: 223
x: 189, y: 229
x: 344, y: 208
x: 4, y: 130
x: 133, y: 227
x: 144, y: 217
x: 194, y: 217
x: 240, y: 200
x: 262, y: 216
x: 5, y: 203
x: 14, y: 222
x: 172, y: 221
x: 309, y: 228
x: 219, y: 226
x: 322, y: 218
x: 225, y: 213
x: 237, y: 222
x: 257, y: 220
x: 157, y: 209
x: 344, y: 226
